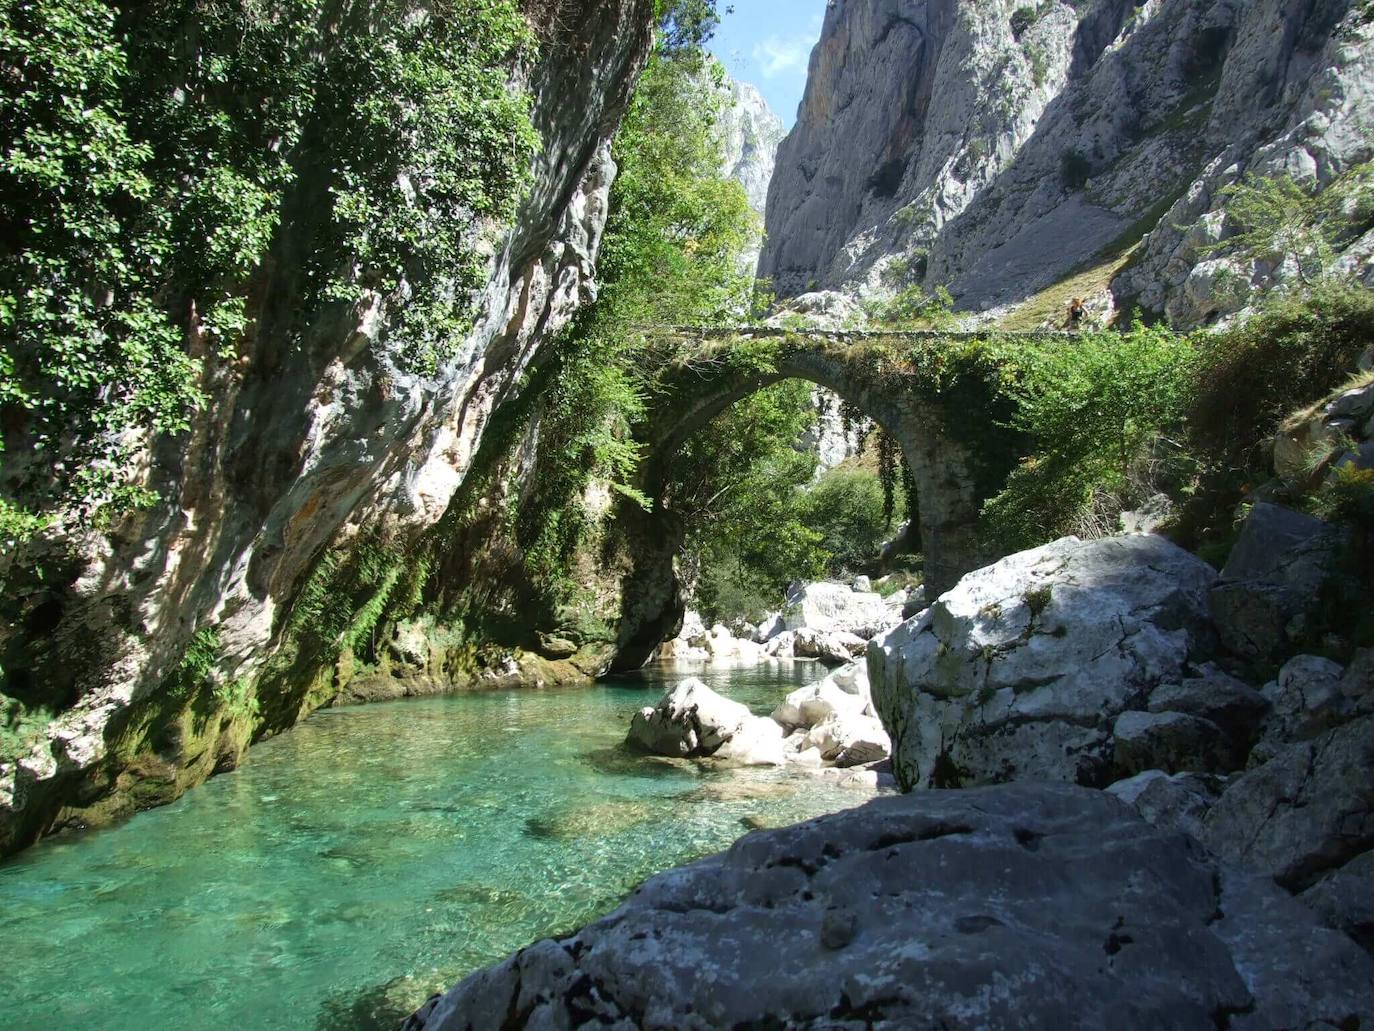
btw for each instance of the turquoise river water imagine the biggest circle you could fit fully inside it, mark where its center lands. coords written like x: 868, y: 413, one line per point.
x: 370, y: 856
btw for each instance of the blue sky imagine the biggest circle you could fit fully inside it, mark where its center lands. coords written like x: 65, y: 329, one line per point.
x: 768, y: 43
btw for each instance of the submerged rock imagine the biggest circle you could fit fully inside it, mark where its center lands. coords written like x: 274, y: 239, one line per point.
x: 1021, y: 906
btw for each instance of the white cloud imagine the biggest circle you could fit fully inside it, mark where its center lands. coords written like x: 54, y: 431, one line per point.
x: 775, y: 56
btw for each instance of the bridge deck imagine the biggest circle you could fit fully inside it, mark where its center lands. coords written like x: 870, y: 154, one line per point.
x: 754, y: 332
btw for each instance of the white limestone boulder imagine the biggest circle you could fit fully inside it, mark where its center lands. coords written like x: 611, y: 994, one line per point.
x: 832, y: 608
x: 689, y: 720
x: 816, y: 703
x: 1020, y: 671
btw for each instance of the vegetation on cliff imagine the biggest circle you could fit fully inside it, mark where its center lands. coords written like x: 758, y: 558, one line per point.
x: 158, y: 158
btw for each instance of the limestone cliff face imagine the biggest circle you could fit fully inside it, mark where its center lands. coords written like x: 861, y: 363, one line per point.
x: 303, y: 446
x: 999, y: 146
x: 751, y: 133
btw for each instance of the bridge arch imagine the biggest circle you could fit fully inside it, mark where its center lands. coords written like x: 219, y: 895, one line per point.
x: 948, y: 464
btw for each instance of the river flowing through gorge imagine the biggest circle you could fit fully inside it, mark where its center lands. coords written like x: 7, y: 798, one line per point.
x: 373, y: 855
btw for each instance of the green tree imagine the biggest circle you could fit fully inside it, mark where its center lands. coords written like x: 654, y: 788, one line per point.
x: 670, y: 254
x: 847, y: 506
x: 1091, y: 410
x: 153, y: 159
x: 1278, y: 218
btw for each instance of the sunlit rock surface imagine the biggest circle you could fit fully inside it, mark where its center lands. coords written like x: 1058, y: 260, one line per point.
x: 1022, y: 906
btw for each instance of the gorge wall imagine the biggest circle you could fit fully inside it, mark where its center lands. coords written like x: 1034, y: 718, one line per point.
x: 163, y: 646
x: 998, y: 148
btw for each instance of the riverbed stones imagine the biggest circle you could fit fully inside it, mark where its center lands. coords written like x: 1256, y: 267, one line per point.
x: 815, y: 703
x: 1019, y: 906
x: 1303, y: 814
x: 1177, y: 802
x: 1021, y: 670
x: 1212, y: 694
x: 1345, y: 900
x: 1169, y: 741
x: 691, y: 720
x: 847, y: 739
x: 1306, y: 699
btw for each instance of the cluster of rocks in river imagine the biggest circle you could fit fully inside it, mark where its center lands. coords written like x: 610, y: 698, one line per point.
x: 827, y: 726
x: 1108, y: 820
x: 826, y: 621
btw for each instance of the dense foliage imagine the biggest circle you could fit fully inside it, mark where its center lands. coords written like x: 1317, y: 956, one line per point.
x: 1117, y: 418
x: 739, y: 483
x: 670, y: 254
x: 154, y: 158
x: 1093, y: 411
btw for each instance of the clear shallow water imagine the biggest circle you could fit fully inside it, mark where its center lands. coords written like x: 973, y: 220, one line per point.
x: 371, y: 856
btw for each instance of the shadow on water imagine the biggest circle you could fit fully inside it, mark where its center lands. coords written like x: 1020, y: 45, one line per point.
x: 623, y: 761
x: 381, y: 1007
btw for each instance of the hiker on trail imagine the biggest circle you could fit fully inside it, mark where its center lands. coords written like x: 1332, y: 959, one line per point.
x: 1077, y: 314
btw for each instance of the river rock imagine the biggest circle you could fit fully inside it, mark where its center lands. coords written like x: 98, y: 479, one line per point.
x: 693, y: 629
x: 807, y: 706
x: 690, y: 720
x: 835, y: 608
x: 769, y: 628
x: 835, y: 648
x: 680, y: 651
x: 852, y: 678
x: 724, y: 646
x: 758, y: 742
x: 1021, y: 670
x: 1170, y: 741
x: 849, y: 739
x: 1304, y: 813
x: 1212, y: 694
x: 1178, y: 802
x: 1042, y: 906
x: 1306, y: 700
x: 1280, y: 563
x: 1345, y: 900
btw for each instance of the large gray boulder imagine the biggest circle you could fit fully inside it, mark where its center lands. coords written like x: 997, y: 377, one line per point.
x: 1303, y: 814
x: 1214, y: 695
x: 691, y: 721
x: 1022, y: 906
x: 1022, y: 669
x: 1178, y: 802
x: 1306, y: 700
x: 1345, y: 900
x: 1280, y: 563
x: 1170, y: 741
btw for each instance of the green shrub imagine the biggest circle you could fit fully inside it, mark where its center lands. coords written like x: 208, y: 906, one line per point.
x: 21, y: 727
x: 1294, y: 352
x: 1347, y: 497
x: 152, y: 158
x: 846, y: 507
x: 1096, y: 412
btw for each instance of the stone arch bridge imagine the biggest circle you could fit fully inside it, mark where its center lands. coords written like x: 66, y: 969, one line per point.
x: 928, y: 389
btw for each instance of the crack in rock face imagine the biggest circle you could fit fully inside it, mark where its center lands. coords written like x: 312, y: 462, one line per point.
x: 1023, y: 668
x: 1041, y: 906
